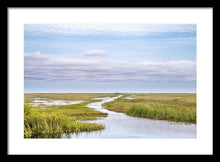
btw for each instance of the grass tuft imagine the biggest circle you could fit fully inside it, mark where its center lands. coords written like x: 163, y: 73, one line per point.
x: 38, y: 122
x: 163, y: 112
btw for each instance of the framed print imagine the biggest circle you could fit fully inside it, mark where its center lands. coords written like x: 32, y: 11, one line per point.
x: 110, y: 80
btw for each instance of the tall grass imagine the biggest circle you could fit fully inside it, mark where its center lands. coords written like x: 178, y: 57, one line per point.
x: 179, y: 107
x: 159, y: 111
x: 36, y: 122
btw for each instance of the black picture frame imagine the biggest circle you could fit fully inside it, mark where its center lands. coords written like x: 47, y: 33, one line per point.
x: 131, y: 4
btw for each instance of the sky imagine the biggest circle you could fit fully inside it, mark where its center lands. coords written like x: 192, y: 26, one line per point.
x: 109, y: 58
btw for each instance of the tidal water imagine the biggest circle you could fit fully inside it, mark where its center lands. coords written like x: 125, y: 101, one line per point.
x: 120, y: 125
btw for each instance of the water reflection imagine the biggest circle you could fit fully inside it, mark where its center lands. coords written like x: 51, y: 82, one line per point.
x: 67, y: 135
x: 47, y: 135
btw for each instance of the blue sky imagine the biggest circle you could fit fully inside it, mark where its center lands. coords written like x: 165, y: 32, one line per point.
x: 109, y: 58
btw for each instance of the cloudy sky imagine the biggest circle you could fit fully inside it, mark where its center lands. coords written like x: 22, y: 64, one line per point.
x: 109, y: 58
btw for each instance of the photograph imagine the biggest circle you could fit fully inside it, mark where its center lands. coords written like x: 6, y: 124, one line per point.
x: 110, y: 81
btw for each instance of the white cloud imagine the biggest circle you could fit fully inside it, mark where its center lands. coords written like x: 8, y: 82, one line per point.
x: 96, y: 52
x: 107, y: 29
x: 40, y: 67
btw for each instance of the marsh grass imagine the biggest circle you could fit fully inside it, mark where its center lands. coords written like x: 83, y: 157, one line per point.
x: 53, y: 119
x: 177, y: 107
x: 163, y: 112
x: 38, y: 122
x: 29, y: 97
x: 76, y: 111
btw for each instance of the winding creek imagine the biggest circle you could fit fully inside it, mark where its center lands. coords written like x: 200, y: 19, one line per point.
x: 120, y: 125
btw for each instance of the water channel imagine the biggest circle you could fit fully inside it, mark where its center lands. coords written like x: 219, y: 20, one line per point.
x: 120, y: 125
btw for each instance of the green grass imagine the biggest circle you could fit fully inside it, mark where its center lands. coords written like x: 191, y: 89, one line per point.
x: 76, y: 111
x: 54, y: 119
x: 29, y: 97
x: 67, y: 118
x: 177, y: 107
x: 163, y: 112
x: 38, y: 122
